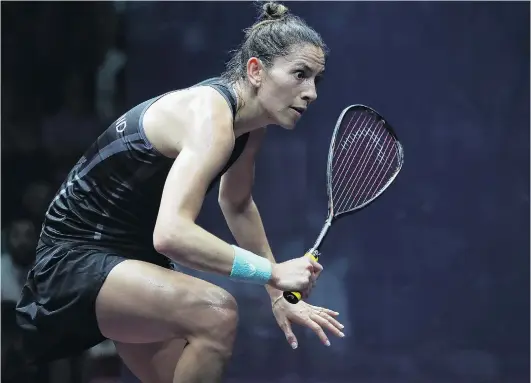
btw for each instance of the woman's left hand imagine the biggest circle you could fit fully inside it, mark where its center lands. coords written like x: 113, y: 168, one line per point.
x: 316, y: 318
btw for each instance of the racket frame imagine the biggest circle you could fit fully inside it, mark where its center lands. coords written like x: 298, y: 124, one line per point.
x: 331, y: 217
x: 294, y: 297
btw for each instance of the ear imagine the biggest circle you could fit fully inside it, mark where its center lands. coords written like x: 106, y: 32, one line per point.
x: 254, y: 71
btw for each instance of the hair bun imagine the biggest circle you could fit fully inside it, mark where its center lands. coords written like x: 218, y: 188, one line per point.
x: 273, y: 11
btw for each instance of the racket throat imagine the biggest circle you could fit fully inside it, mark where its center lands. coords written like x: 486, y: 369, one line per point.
x: 319, y: 240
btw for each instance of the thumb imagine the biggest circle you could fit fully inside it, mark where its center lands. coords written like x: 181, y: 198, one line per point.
x: 290, y: 336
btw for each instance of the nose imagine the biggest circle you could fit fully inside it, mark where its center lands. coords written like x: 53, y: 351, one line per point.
x: 310, y: 94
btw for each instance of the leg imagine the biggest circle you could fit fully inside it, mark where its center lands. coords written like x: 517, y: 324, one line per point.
x: 147, y: 308
x: 152, y: 362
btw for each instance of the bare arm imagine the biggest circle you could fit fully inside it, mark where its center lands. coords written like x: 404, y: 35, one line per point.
x: 204, y: 152
x: 238, y: 207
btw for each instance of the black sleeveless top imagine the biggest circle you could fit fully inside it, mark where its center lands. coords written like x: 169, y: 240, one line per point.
x: 111, y: 197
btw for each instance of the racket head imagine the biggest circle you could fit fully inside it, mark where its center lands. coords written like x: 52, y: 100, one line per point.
x: 373, y: 141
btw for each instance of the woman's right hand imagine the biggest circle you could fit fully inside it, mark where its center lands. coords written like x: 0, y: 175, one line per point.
x: 298, y: 274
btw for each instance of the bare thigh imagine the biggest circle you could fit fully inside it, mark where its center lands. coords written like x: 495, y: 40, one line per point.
x: 143, y: 303
x: 152, y: 362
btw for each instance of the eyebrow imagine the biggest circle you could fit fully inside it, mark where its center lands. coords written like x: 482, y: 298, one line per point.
x: 307, y: 68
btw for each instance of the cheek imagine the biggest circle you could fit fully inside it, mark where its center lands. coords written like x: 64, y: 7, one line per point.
x: 274, y: 97
x: 286, y: 93
x: 278, y: 94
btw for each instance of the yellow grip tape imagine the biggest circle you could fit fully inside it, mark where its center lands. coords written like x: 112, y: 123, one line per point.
x: 298, y: 295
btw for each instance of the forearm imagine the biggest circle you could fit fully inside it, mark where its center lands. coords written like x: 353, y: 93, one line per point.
x: 247, y: 228
x: 192, y: 246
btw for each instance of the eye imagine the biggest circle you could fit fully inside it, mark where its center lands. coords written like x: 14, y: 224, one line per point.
x: 300, y: 74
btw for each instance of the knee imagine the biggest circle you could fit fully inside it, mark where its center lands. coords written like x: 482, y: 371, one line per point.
x: 219, y: 331
x: 222, y: 309
x: 212, y: 315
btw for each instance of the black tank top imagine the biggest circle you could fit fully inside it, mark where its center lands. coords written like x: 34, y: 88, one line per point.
x: 111, y: 197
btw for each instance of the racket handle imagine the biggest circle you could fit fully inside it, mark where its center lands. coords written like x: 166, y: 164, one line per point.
x: 294, y: 297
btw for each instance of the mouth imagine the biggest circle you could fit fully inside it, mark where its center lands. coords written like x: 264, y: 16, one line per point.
x: 298, y: 110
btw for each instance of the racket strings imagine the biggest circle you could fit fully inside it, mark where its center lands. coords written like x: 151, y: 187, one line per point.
x: 365, y: 154
x: 344, y: 144
x: 351, y: 180
x: 374, y: 178
x: 352, y: 151
x: 347, y: 159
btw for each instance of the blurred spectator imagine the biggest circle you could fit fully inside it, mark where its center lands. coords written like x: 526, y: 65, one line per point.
x: 106, y: 99
x: 109, y: 97
x: 17, y: 257
x: 19, y: 254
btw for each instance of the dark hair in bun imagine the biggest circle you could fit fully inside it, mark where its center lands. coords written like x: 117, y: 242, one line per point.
x: 273, y: 11
x: 273, y: 35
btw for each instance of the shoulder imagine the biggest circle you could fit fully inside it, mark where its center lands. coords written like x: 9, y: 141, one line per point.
x: 190, y: 117
x: 198, y: 104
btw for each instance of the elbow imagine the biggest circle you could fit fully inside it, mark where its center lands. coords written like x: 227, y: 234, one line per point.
x: 162, y: 242
x: 168, y: 239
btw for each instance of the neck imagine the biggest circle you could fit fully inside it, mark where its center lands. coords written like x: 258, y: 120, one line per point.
x: 250, y: 115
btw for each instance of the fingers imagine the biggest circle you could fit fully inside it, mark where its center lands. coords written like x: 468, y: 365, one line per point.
x: 311, y: 274
x: 316, y: 266
x: 309, y: 283
x: 327, y: 311
x: 314, y: 325
x: 314, y: 277
x: 334, y: 322
x: 306, y: 293
x: 328, y: 323
x: 312, y: 283
x: 290, y: 336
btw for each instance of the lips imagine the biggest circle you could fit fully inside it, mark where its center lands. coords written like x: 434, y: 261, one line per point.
x: 298, y: 110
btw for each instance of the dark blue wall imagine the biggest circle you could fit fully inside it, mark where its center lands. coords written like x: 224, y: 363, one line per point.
x: 432, y: 280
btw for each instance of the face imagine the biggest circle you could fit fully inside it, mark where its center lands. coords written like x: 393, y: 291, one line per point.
x: 288, y: 87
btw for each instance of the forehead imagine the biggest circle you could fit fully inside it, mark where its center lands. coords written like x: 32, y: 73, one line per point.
x: 305, y: 55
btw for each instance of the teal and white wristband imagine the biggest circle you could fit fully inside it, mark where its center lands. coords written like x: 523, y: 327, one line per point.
x: 249, y: 267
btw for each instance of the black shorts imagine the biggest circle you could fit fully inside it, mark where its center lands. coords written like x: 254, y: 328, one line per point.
x: 56, y: 310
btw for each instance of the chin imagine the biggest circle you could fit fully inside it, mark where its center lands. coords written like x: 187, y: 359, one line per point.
x: 286, y: 122
x: 288, y: 125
